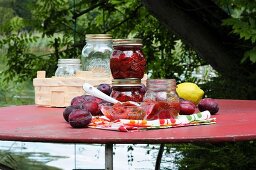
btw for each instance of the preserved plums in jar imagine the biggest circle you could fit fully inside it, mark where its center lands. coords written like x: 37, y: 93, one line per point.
x: 162, y: 93
x: 127, y: 90
x: 127, y: 59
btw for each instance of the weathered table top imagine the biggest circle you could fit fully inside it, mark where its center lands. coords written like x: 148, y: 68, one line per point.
x: 236, y: 121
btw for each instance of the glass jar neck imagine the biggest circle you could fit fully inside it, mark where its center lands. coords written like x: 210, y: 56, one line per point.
x: 98, y: 38
x: 161, y: 85
x: 63, y: 64
x: 69, y: 61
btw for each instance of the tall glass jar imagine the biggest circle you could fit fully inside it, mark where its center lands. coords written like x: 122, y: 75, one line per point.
x: 162, y: 92
x: 96, y: 54
x: 127, y: 90
x: 67, y: 67
x: 127, y: 59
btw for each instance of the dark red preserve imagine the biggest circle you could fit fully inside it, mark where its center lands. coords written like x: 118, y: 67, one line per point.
x: 127, y: 60
x: 127, y: 90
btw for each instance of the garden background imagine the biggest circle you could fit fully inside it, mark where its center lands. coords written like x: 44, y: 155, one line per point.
x: 216, y: 50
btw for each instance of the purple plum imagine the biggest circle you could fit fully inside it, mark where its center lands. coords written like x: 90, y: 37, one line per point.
x: 68, y: 110
x: 79, y: 118
x: 187, y: 107
x: 92, y: 107
x: 208, y: 104
x: 77, y: 101
x: 105, y: 88
x: 143, y: 89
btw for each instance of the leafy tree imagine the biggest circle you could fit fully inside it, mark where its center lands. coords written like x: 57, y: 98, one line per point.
x: 242, y: 21
x: 122, y: 19
x: 205, y: 27
x: 238, y: 155
x: 66, y: 23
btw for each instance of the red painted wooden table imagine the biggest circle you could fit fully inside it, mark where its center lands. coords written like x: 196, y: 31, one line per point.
x: 235, y: 122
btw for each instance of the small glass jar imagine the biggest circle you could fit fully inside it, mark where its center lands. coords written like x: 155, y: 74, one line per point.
x: 67, y: 67
x: 127, y: 59
x: 127, y: 90
x: 162, y: 92
x: 96, y: 54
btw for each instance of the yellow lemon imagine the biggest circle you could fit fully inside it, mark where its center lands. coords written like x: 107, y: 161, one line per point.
x: 190, y: 91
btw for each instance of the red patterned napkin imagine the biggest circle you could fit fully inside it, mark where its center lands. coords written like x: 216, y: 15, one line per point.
x: 126, y: 125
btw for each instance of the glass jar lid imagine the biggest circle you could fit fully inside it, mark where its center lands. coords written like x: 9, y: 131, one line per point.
x: 69, y: 61
x: 98, y: 37
x: 126, y: 82
x: 127, y: 42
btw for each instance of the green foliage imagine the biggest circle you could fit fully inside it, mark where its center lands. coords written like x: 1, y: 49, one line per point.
x: 251, y: 54
x: 121, y: 19
x: 226, y: 156
x: 21, y: 161
x: 14, y: 92
x: 19, y: 93
x: 219, y: 87
x: 70, y: 22
x: 18, y: 37
x: 165, y: 51
x: 242, y: 21
x: 19, y: 60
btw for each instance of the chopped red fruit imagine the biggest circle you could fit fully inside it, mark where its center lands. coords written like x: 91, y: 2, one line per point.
x: 126, y: 93
x: 127, y: 64
x: 164, y: 110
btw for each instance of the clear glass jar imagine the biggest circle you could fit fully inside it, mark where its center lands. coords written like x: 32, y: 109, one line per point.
x: 127, y: 59
x: 67, y: 67
x: 96, y: 53
x: 127, y: 90
x: 162, y: 92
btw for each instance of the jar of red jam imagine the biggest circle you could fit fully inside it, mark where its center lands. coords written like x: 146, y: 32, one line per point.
x: 127, y: 90
x: 162, y: 92
x: 127, y: 60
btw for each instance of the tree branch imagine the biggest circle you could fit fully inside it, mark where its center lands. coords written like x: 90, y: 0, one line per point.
x: 76, y: 15
x: 132, y: 15
x: 202, y: 30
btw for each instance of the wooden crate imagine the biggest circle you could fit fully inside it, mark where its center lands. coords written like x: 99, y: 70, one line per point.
x: 59, y: 91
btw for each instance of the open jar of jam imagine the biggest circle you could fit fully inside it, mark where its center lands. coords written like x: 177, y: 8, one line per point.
x: 127, y: 59
x: 127, y: 90
x: 162, y: 92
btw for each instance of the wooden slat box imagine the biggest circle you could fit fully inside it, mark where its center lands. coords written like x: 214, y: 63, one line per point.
x: 59, y: 91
